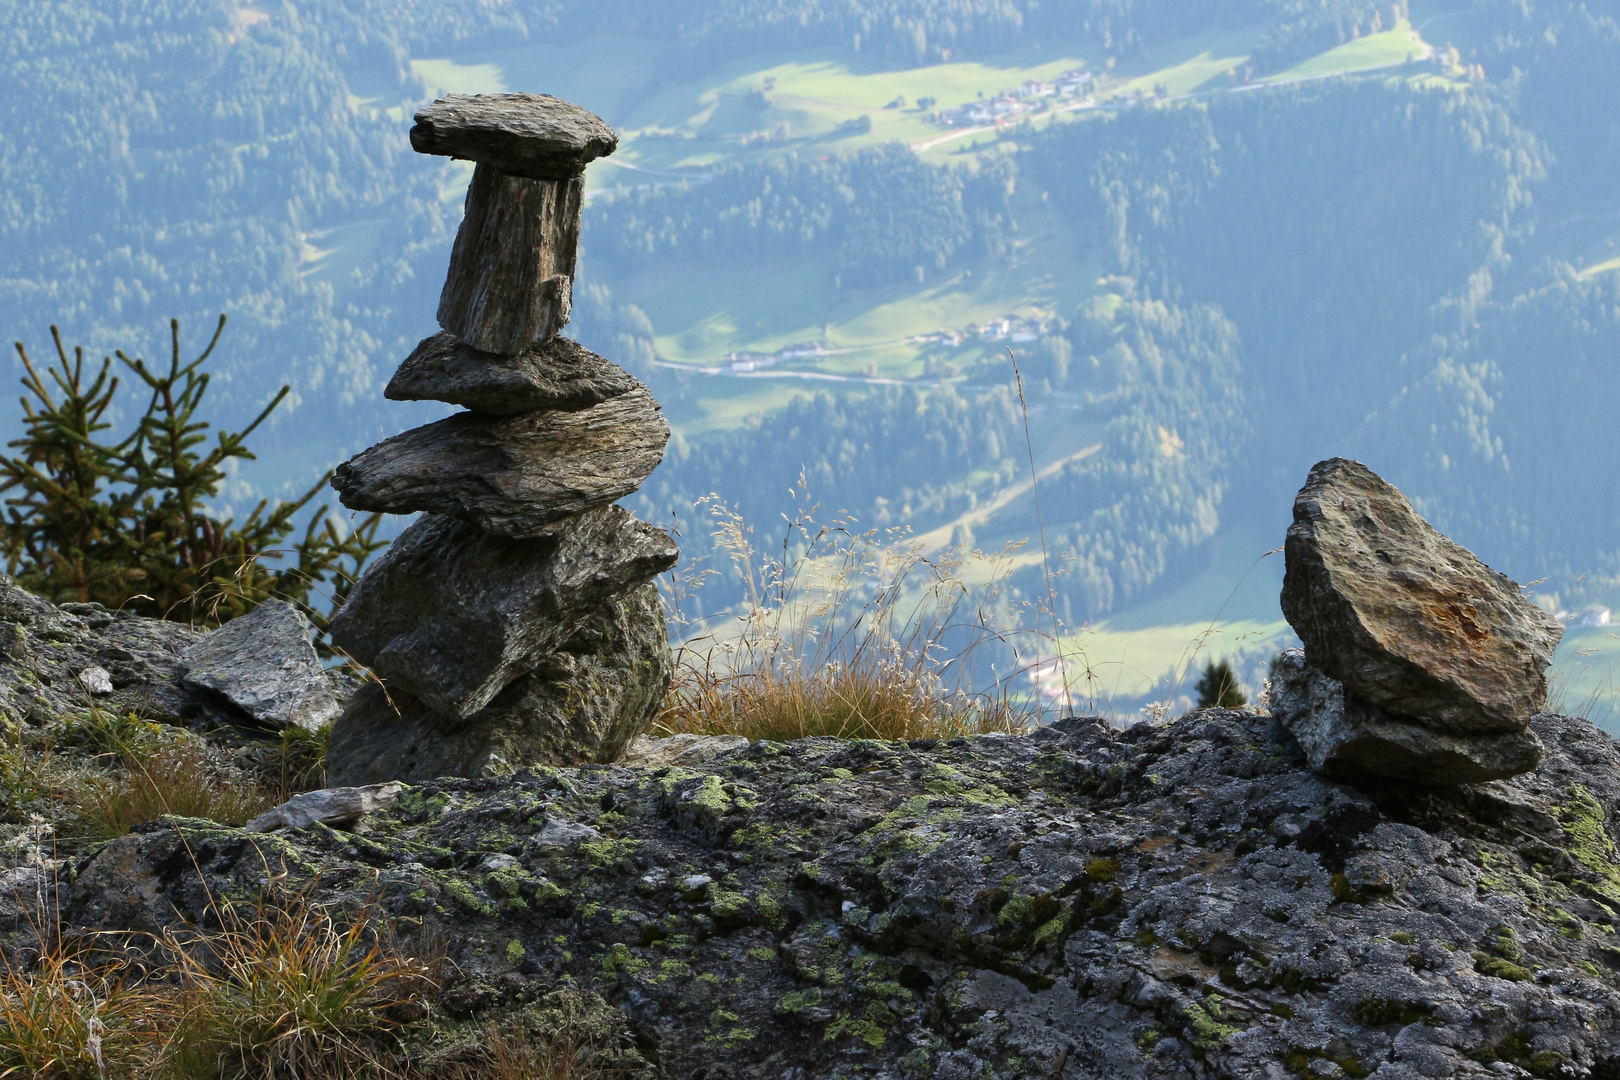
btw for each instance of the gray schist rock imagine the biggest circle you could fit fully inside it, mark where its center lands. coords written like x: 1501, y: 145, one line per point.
x: 519, y: 476
x: 512, y: 268
x: 558, y: 373
x: 585, y: 702
x: 1406, y: 619
x: 532, y: 135
x: 336, y: 806
x: 1344, y: 737
x: 511, y: 277
x: 478, y: 619
x: 263, y: 663
x: 451, y: 616
x: 684, y: 750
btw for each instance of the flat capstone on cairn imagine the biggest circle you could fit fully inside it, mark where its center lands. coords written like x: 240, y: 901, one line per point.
x: 1421, y: 663
x: 515, y: 622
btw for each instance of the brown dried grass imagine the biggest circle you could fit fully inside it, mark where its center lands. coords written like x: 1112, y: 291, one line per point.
x: 846, y: 633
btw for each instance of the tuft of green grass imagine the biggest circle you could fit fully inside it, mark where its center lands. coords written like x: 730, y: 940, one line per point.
x: 301, y: 758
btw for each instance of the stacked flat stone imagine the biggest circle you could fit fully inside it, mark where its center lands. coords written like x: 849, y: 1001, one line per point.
x: 1420, y: 663
x: 522, y: 591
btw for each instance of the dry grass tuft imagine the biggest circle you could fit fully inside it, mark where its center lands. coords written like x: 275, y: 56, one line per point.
x: 178, y: 779
x: 149, y: 771
x: 857, y: 635
x: 517, y: 1056
x: 76, y: 1018
x: 284, y: 993
x: 288, y: 992
x: 892, y: 697
x: 570, y: 1034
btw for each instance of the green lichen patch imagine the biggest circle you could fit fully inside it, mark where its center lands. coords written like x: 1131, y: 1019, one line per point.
x: 1205, y: 1028
x: 1584, y: 823
x: 1498, y: 968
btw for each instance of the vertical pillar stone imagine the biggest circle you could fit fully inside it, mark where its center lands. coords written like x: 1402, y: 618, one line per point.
x: 512, y: 269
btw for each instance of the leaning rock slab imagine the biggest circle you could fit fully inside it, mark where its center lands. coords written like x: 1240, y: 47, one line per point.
x: 516, y: 477
x: 1344, y: 737
x: 263, y: 663
x: 451, y: 616
x: 584, y: 703
x: 558, y: 373
x: 1406, y: 619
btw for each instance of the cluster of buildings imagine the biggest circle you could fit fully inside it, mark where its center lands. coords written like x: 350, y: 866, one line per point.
x: 1014, y: 328
x: 1009, y: 103
x: 753, y: 361
x: 1590, y: 618
x: 747, y: 361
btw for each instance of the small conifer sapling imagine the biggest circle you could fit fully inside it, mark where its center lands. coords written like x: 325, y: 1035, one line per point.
x: 127, y: 523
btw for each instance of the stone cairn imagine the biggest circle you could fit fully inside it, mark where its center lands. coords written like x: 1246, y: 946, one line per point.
x: 1420, y: 663
x: 514, y: 622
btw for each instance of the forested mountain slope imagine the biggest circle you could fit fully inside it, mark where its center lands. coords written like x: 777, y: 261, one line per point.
x: 1231, y: 266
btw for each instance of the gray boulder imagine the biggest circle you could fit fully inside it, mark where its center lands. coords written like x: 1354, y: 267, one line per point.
x: 451, y: 616
x: 1166, y: 902
x: 557, y: 373
x: 584, y: 703
x: 519, y: 476
x: 264, y: 663
x: 1406, y: 619
x: 1345, y: 737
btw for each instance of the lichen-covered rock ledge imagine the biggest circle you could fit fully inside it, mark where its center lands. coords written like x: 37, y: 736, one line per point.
x: 1083, y: 902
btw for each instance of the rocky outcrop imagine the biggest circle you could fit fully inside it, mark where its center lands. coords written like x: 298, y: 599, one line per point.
x: 473, y: 619
x: 1421, y: 663
x: 58, y: 661
x: 1188, y: 900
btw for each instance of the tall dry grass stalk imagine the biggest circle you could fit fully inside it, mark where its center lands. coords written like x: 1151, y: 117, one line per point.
x: 847, y: 633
